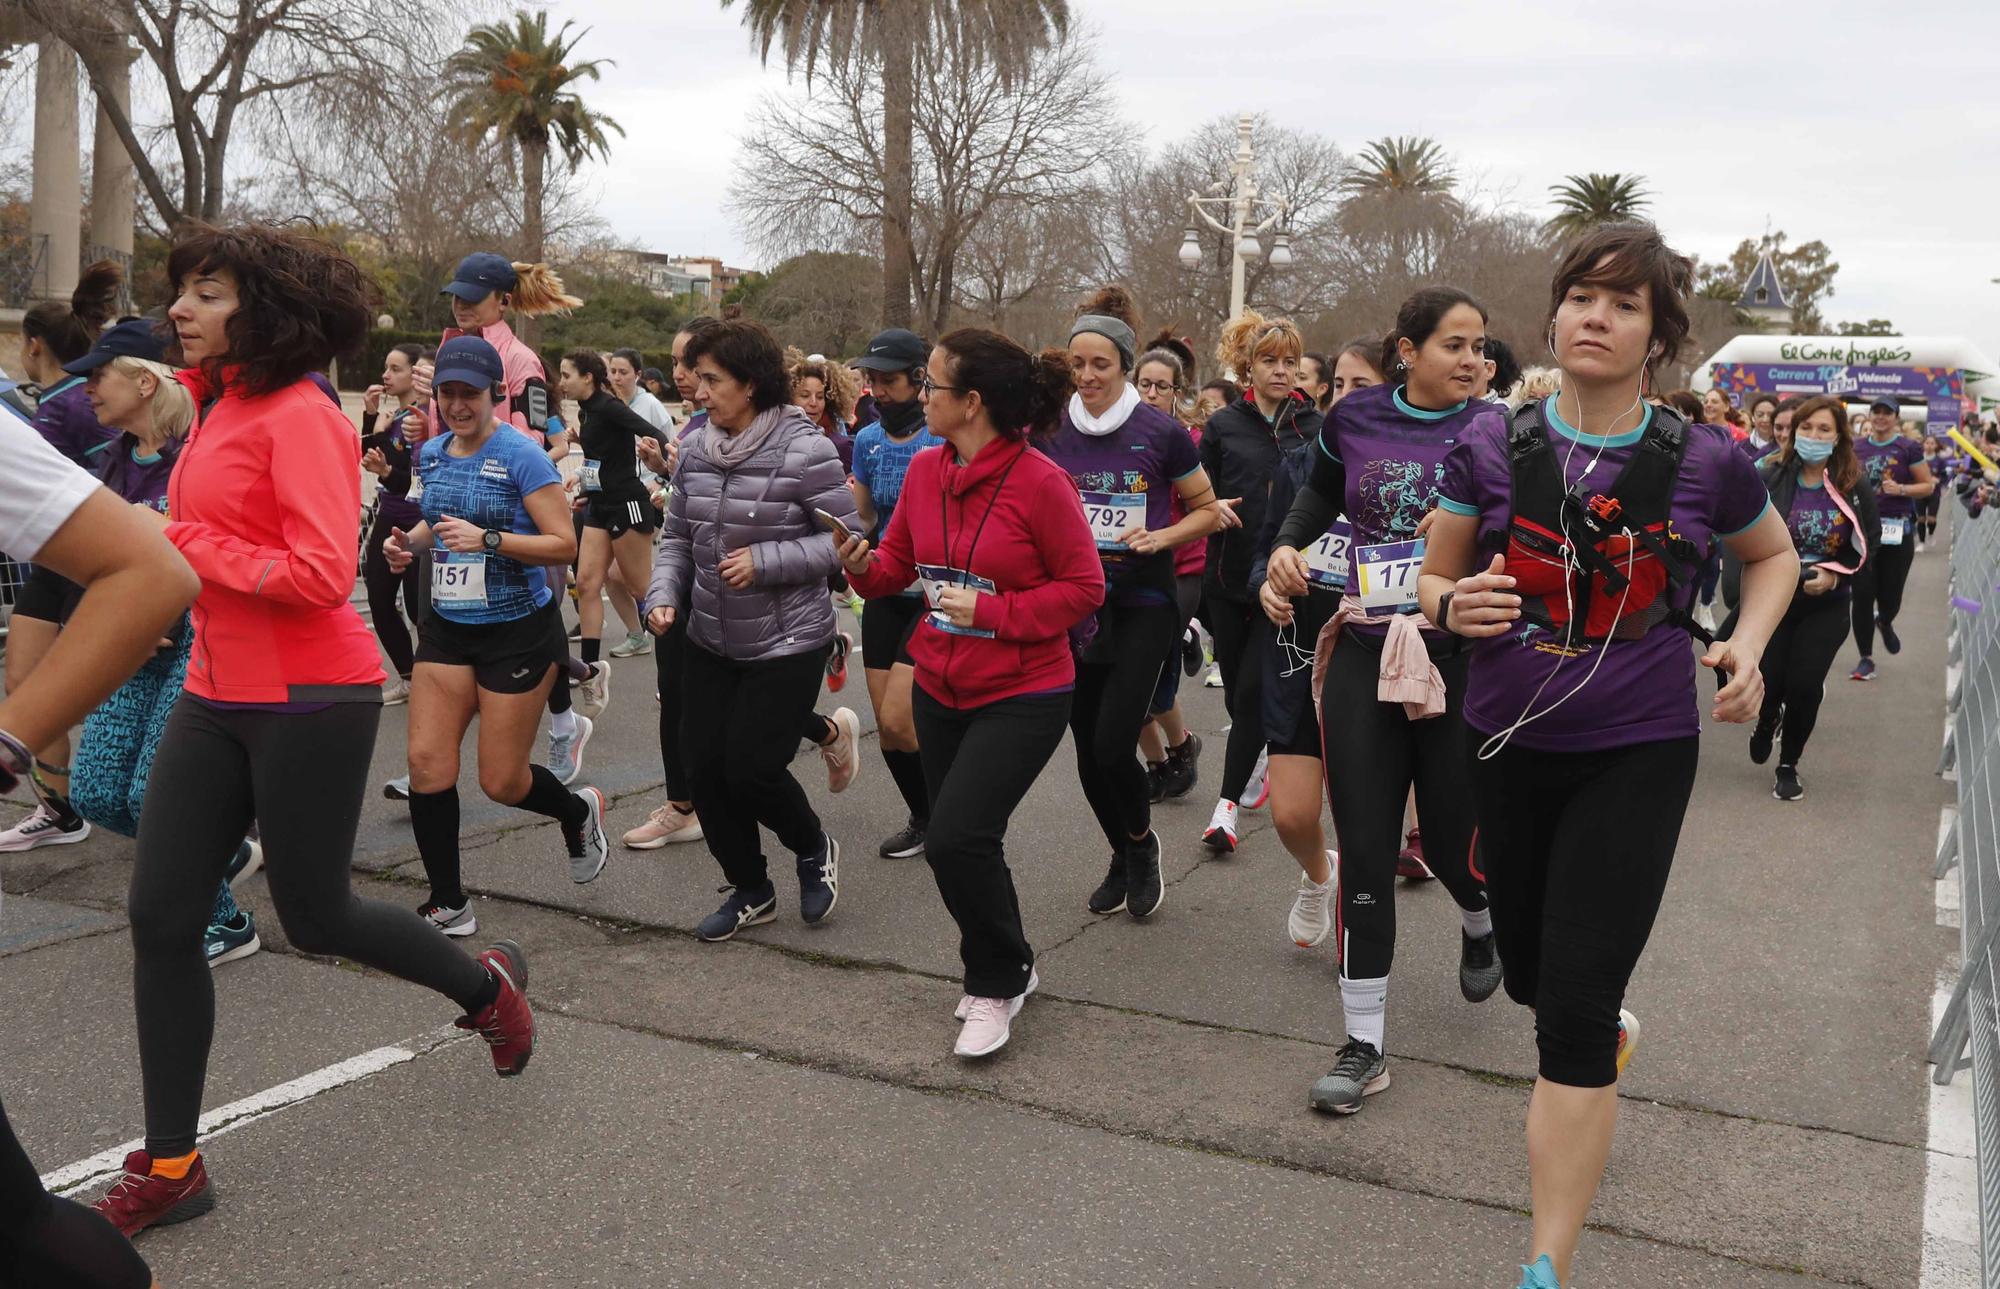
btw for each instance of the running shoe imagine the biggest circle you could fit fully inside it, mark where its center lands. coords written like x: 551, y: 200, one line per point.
x: 1410, y: 859
x: 841, y: 762
x: 593, y: 692
x: 1478, y: 966
x: 141, y: 1198
x: 1191, y: 652
x: 1220, y: 835
x: 1311, y: 919
x: 907, y: 844
x: 1541, y: 1275
x: 1763, y: 736
x: 1109, y: 897
x: 1628, y: 1038
x: 664, y: 827
x: 1156, y: 782
x: 1144, y: 888
x: 836, y: 662
x: 566, y: 754
x: 1183, y: 768
x: 41, y: 829
x: 454, y: 922
x: 228, y: 941
x: 396, y: 694
x: 965, y: 1000
x: 988, y: 1023
x: 249, y: 857
x: 1890, y: 640
x: 742, y: 908
x: 505, y: 1023
x: 1213, y: 680
x: 819, y: 881
x: 633, y: 645
x: 1788, y: 787
x: 1359, y: 1070
x: 588, y: 846
x: 397, y: 789
x: 1258, y: 790
x: 1863, y: 670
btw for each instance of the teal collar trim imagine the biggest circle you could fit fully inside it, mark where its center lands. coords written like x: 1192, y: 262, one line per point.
x: 1562, y: 427
x: 1424, y: 413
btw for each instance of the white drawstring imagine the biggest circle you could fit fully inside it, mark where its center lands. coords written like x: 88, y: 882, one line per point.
x: 1296, y: 659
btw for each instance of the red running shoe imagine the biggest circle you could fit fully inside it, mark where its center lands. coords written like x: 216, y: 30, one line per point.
x: 836, y: 662
x: 506, y: 1023
x: 1410, y: 860
x: 141, y: 1198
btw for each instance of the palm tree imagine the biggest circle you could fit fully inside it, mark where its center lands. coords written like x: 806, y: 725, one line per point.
x: 888, y: 34
x: 1585, y: 201
x: 1401, y: 190
x: 514, y: 81
x: 1414, y: 167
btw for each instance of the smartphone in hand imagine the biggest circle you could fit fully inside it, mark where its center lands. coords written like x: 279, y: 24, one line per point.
x: 832, y: 523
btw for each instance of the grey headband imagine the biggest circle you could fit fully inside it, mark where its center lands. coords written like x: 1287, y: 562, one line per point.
x: 1111, y: 329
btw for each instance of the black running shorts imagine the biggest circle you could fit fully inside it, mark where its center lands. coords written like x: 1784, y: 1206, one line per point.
x: 505, y: 657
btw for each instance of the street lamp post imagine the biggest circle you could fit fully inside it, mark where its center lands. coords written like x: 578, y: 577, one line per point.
x: 1236, y: 197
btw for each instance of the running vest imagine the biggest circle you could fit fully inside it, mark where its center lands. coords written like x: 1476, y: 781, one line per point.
x: 1596, y: 566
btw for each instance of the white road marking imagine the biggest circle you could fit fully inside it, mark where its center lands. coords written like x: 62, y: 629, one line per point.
x: 1951, y: 1175
x: 107, y: 1163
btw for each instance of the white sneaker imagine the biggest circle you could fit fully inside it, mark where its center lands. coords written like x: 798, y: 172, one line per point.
x: 396, y: 694
x: 456, y: 923
x: 1212, y: 678
x: 634, y: 644
x: 41, y: 829
x: 965, y: 1000
x: 566, y: 754
x: 593, y: 692
x: 1258, y: 790
x: 988, y: 1024
x: 1311, y: 920
x: 1221, y: 831
x: 841, y: 762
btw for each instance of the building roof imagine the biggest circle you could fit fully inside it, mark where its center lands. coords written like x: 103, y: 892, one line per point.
x: 1764, y: 290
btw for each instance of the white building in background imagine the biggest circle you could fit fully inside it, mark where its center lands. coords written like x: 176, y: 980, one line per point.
x: 1765, y: 299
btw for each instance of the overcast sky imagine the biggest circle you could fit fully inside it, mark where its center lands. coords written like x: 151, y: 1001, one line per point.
x: 1872, y: 126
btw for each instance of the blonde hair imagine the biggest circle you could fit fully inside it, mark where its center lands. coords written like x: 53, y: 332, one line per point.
x: 172, y: 406
x: 1537, y: 383
x: 1249, y: 336
x: 537, y: 290
x: 841, y: 385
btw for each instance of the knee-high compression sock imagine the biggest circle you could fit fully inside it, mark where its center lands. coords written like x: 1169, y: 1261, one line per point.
x: 434, y: 819
x: 548, y: 797
x: 907, y: 769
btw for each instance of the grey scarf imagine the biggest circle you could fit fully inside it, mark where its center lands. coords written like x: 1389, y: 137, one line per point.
x: 731, y: 450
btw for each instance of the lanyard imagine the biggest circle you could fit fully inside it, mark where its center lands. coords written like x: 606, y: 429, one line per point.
x: 944, y: 516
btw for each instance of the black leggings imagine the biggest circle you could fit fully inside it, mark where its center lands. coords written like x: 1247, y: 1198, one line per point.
x: 1374, y: 754
x: 740, y: 724
x: 979, y: 763
x: 1927, y: 509
x: 1796, y: 660
x: 303, y: 776
x: 668, y: 652
x: 384, y: 586
x: 1577, y: 847
x: 1112, y: 695
x: 1232, y: 624
x: 54, y: 1243
x: 1878, y: 589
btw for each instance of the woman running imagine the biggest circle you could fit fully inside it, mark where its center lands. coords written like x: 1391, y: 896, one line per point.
x: 1291, y: 724
x: 1941, y: 455
x: 994, y: 533
x: 894, y: 362
x: 1566, y: 547
x: 618, y: 516
x: 388, y: 450
x: 494, y: 517
x: 283, y: 693
x: 1241, y: 448
x: 1393, y: 686
x: 54, y: 333
x: 1128, y: 460
x: 1895, y: 466
x: 1171, y: 750
x: 745, y: 561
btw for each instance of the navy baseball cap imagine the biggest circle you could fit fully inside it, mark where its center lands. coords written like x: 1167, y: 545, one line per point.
x: 479, y: 275
x: 132, y: 338
x: 468, y: 360
x: 894, y: 350
x: 1885, y: 405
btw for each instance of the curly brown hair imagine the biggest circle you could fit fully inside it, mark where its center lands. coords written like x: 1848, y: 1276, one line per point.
x: 841, y: 386
x: 301, y: 301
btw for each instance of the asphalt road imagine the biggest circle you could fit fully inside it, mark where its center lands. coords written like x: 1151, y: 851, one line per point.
x: 785, y: 1108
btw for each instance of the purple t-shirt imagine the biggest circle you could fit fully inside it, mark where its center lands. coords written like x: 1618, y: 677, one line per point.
x: 1145, y: 457
x: 1891, y: 460
x: 1754, y: 450
x: 136, y: 478
x: 1819, y: 530
x: 1641, y: 691
x: 64, y: 417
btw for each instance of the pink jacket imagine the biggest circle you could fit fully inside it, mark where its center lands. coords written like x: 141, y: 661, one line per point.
x: 1407, y: 675
x: 521, y: 365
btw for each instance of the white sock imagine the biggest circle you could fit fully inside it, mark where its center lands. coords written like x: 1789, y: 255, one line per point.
x: 1478, y: 924
x: 1366, y: 1005
x: 563, y: 724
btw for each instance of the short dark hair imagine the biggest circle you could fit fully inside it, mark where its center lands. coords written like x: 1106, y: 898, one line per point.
x: 632, y: 357
x: 588, y: 362
x: 1024, y: 393
x: 302, y: 301
x: 1623, y: 256
x: 1418, y: 319
x: 1506, y: 367
x: 1685, y: 402
x: 69, y: 328
x: 1227, y: 388
x: 1758, y: 400
x: 414, y: 352
x: 748, y: 352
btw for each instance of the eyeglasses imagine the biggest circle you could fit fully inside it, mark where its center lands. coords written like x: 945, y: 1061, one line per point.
x: 1157, y: 387
x: 929, y: 386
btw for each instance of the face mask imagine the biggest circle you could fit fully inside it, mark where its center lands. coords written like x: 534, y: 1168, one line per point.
x: 900, y: 419
x: 1814, y: 451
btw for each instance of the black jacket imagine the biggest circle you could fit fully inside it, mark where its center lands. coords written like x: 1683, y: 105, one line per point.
x: 1241, y: 451
x: 1782, y: 480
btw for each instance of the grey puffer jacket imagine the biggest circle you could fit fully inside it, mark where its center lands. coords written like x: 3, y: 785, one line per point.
x: 766, y: 505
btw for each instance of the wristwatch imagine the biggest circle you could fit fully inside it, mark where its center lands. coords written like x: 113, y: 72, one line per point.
x: 491, y: 541
x: 1444, y: 612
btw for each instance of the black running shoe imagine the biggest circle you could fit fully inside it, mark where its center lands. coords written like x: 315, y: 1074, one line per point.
x: 905, y: 844
x: 1143, y: 888
x: 1109, y: 897
x: 1156, y: 782
x: 1788, y: 787
x: 1763, y: 736
x: 1890, y: 640
x: 1478, y: 967
x: 1358, y: 1071
x: 1191, y: 658
x: 1183, y: 766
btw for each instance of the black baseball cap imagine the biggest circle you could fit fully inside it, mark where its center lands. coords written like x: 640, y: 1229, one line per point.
x: 1885, y: 404
x: 479, y: 275
x: 894, y: 350
x: 132, y: 338
x: 468, y: 360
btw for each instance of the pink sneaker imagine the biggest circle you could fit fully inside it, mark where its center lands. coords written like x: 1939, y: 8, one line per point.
x: 987, y: 1024
x: 841, y: 763
x: 965, y: 1000
x: 662, y: 828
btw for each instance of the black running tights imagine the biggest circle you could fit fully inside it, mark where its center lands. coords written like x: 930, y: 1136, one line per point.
x: 1232, y: 625
x: 54, y: 1243
x: 1878, y: 589
x: 302, y: 776
x: 1796, y: 660
x: 1112, y: 695
x: 668, y: 652
x: 383, y: 588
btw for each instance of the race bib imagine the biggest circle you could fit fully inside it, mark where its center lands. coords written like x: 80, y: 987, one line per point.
x: 1386, y: 575
x: 933, y: 578
x: 592, y: 476
x: 1893, y: 530
x: 1326, y: 559
x: 458, y: 579
x: 1111, y: 515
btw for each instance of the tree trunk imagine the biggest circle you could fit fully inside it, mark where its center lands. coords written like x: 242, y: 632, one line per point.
x: 534, y: 167
x: 898, y: 163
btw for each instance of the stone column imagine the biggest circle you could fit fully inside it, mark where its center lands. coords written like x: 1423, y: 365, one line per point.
x: 55, y: 210
x: 112, y: 187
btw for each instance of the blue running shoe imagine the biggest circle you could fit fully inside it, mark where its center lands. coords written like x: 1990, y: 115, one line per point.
x: 1863, y: 670
x: 249, y: 857
x: 566, y: 754
x: 228, y: 941
x: 742, y: 908
x: 819, y: 881
x: 1542, y: 1275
